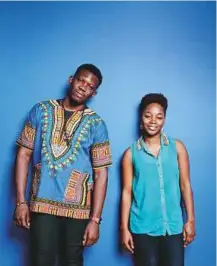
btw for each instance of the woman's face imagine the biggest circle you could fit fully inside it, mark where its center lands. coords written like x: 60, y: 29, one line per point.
x: 153, y: 119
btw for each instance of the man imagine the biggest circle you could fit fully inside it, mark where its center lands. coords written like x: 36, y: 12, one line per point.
x: 71, y: 152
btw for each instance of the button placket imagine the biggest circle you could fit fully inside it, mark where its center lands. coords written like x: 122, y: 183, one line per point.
x: 162, y: 194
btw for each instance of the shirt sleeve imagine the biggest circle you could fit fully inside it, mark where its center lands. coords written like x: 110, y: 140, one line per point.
x: 27, y: 136
x: 100, y: 149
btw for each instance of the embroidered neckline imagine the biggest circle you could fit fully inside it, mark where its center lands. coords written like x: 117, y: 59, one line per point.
x: 164, y: 141
x: 56, y: 153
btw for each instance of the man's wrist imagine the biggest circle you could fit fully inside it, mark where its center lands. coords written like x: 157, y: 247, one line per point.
x: 19, y: 203
x: 96, y: 220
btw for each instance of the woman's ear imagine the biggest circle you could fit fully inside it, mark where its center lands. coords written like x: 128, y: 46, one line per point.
x: 71, y: 78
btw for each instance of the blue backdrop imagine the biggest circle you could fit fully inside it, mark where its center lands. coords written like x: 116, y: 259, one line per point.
x: 141, y: 47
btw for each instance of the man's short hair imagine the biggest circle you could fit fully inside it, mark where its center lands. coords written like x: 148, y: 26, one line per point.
x: 91, y: 68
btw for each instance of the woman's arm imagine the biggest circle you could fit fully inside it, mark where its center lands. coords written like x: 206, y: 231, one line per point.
x: 187, y: 194
x: 127, y: 177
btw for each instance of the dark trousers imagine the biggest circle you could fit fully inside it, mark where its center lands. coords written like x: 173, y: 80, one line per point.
x: 158, y: 250
x: 51, y: 235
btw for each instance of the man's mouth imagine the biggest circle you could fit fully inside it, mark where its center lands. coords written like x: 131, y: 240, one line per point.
x: 79, y: 95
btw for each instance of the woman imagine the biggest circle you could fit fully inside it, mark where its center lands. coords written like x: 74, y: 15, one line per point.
x: 155, y: 175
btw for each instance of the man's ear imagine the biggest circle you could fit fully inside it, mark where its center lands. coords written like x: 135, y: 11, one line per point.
x: 94, y: 94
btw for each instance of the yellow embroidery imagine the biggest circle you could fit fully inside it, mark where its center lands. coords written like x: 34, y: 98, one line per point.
x: 76, y: 191
x: 59, y: 145
x: 101, y: 155
x: 27, y: 137
x: 60, y: 209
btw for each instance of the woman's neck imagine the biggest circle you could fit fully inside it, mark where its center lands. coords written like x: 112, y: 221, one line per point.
x: 152, y: 140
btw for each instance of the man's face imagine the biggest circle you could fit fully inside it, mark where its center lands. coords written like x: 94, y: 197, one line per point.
x: 83, y: 86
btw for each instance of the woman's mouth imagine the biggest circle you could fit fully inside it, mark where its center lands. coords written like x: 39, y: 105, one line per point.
x: 152, y: 128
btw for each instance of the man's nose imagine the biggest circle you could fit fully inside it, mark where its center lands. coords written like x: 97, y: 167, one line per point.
x: 84, y: 85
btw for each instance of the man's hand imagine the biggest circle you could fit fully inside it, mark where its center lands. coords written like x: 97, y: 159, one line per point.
x: 188, y: 232
x: 127, y: 240
x: 91, y: 234
x: 22, y: 216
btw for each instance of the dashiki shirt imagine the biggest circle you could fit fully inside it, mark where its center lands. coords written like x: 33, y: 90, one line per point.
x: 66, y: 147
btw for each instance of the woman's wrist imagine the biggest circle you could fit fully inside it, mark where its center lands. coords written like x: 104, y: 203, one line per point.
x: 124, y: 228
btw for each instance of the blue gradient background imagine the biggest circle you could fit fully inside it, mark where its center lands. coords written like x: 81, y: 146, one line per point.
x: 141, y: 47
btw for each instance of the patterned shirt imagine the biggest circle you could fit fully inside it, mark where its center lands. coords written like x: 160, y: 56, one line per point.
x: 156, y: 206
x: 65, y: 152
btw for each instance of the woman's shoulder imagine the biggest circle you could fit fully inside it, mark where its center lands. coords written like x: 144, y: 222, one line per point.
x: 135, y: 145
x: 177, y: 143
x: 168, y: 140
x: 180, y: 146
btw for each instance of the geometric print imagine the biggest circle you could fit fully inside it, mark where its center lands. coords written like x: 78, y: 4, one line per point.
x: 27, y: 137
x: 56, y: 156
x: 76, y: 190
x: 101, y: 155
x: 58, y: 153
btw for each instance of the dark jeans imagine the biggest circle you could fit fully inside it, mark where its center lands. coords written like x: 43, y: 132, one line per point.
x: 158, y: 250
x: 51, y: 235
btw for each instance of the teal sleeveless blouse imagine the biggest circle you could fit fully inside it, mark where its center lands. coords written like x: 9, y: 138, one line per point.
x: 156, y: 202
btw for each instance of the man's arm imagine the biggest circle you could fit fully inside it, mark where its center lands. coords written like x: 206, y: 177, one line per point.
x: 99, y: 193
x: 184, y: 169
x: 100, y: 155
x: 21, y: 215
